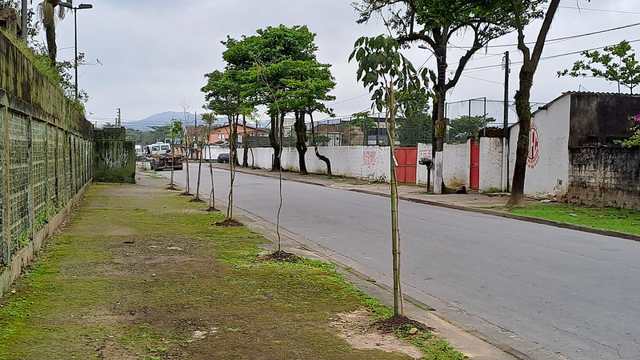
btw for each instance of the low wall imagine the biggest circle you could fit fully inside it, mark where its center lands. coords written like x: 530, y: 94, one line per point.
x: 605, y: 176
x: 115, y: 157
x: 365, y: 162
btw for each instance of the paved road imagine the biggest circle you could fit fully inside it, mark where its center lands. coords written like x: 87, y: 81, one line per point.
x: 550, y: 293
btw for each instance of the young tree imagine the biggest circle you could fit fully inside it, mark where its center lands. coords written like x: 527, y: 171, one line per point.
x: 521, y: 10
x: 615, y: 63
x: 175, y: 132
x: 225, y: 94
x: 386, y: 73
x: 209, y: 119
x: 202, y: 139
x: 432, y: 24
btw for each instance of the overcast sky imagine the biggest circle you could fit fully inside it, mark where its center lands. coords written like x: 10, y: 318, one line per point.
x: 154, y: 53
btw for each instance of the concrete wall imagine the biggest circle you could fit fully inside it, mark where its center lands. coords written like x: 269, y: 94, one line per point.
x: 457, y: 164
x: 115, y: 157
x: 366, y: 162
x: 548, y: 165
x: 45, y: 156
x: 605, y: 176
x: 456, y: 168
x: 491, y: 161
x: 211, y: 152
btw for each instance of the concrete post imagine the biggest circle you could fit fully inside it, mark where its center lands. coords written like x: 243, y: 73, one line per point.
x: 5, y: 242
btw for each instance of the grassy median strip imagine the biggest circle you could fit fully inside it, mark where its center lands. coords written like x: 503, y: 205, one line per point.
x: 611, y: 219
x: 141, y: 273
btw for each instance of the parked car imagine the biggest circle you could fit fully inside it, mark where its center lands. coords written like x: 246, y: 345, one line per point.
x: 223, y: 158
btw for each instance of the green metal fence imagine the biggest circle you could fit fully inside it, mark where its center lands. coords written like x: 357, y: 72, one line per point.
x: 42, y: 167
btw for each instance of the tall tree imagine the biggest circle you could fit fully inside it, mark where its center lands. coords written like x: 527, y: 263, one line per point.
x: 264, y: 53
x: 616, y: 63
x: 307, y: 85
x: 465, y: 127
x: 432, y: 24
x: 520, y: 10
x: 385, y: 72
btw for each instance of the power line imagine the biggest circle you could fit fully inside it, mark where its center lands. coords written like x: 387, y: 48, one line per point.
x: 550, y: 56
x: 562, y: 38
x: 631, y: 12
x: 481, y: 79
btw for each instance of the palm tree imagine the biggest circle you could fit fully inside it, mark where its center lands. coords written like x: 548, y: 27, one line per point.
x: 175, y: 132
x: 47, y: 16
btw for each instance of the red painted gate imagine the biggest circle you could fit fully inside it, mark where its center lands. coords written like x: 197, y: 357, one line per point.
x: 474, y: 175
x: 406, y: 158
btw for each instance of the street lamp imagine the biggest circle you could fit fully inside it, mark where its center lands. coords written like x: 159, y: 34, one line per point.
x: 75, y: 25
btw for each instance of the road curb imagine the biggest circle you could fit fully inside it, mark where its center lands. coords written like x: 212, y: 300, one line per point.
x: 466, y: 208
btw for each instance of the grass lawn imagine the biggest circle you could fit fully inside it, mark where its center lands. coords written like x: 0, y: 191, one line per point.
x: 620, y: 220
x: 141, y: 273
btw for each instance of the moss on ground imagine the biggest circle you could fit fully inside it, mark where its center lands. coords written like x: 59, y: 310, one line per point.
x: 140, y: 273
x: 620, y: 220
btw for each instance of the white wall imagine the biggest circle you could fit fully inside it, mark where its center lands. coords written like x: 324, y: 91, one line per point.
x: 491, y: 160
x: 549, y: 175
x: 456, y: 164
x: 211, y: 152
x: 367, y: 162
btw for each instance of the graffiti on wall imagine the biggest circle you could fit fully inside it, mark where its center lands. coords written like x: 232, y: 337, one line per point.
x: 370, y: 160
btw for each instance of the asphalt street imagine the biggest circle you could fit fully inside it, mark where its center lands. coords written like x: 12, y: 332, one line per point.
x: 547, y: 292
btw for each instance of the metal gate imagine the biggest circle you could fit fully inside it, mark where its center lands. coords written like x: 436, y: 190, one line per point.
x: 406, y: 163
x: 474, y: 174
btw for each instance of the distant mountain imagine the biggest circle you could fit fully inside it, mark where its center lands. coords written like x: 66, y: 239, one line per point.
x: 161, y: 119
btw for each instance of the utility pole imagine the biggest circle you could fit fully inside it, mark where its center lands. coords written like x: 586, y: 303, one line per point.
x: 23, y: 21
x: 507, y: 147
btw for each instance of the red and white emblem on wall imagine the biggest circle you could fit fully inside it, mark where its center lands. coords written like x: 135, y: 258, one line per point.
x: 534, y: 147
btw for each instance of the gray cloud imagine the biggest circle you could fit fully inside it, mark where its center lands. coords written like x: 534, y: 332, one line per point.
x: 155, y: 52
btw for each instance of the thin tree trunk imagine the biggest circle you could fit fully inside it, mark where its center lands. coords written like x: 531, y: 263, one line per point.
x: 197, y: 197
x: 245, y: 143
x: 301, y: 142
x: 273, y: 139
x: 187, y: 190
x: 172, y: 185
x: 212, y: 194
x: 232, y: 164
x: 398, y: 308
x: 523, y: 95
x: 315, y: 146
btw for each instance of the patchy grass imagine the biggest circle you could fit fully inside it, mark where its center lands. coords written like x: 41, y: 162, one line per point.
x: 620, y: 220
x: 141, y: 273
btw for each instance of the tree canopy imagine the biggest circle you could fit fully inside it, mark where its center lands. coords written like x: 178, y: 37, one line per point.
x: 616, y: 63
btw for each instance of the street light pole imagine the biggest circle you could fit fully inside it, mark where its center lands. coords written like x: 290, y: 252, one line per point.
x: 75, y: 33
x: 75, y: 9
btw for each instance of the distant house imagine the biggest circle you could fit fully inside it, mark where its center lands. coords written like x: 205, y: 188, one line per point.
x: 221, y: 134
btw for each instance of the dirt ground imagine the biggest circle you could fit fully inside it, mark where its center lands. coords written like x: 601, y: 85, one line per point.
x: 141, y: 273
